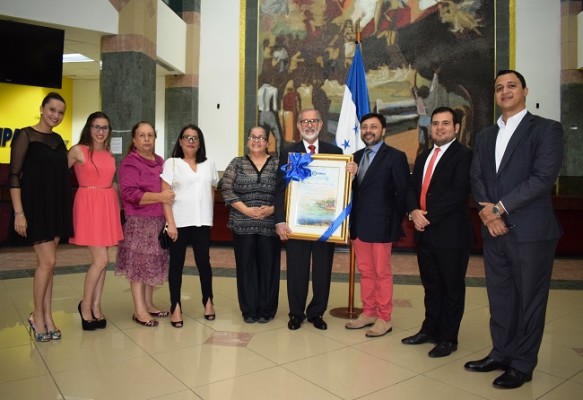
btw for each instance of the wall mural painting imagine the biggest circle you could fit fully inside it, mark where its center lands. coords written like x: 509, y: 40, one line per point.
x: 418, y: 54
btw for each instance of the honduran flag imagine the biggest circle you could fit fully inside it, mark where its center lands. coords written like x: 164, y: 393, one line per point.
x: 355, y: 104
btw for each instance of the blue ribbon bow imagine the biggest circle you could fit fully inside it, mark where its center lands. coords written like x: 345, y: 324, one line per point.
x: 297, y: 168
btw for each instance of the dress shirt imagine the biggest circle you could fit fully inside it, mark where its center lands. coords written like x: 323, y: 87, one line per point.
x: 505, y: 132
x: 442, y: 149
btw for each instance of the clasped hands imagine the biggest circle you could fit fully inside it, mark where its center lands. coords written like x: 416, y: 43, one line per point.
x: 494, y: 223
x: 258, y: 212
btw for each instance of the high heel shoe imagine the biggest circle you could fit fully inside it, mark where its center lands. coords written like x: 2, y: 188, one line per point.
x: 85, y: 324
x: 55, y: 335
x: 209, y: 317
x: 177, y: 324
x: 38, y: 337
x: 100, y: 323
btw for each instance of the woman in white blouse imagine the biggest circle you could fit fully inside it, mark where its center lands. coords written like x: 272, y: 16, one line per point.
x: 192, y: 177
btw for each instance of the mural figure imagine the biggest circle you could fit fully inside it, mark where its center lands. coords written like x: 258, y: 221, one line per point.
x: 418, y: 55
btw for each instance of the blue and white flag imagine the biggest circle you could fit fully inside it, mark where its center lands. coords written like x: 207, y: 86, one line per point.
x: 355, y: 104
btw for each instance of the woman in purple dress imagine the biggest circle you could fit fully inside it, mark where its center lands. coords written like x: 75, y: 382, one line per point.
x: 140, y: 258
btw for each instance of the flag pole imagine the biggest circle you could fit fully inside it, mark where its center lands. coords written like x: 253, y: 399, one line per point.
x: 350, y: 312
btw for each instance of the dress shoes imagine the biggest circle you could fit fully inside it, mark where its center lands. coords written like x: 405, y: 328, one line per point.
x: 362, y: 321
x: 380, y: 328
x: 486, y: 364
x: 418, y: 338
x: 249, y: 319
x: 511, y: 379
x: 294, y: 323
x: 318, y: 322
x: 442, y: 349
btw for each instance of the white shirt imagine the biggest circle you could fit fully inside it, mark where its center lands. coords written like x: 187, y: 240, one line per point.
x: 505, y: 132
x: 442, y: 150
x: 193, y: 201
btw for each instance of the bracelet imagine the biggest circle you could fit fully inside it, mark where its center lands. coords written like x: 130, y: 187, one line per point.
x: 17, y: 213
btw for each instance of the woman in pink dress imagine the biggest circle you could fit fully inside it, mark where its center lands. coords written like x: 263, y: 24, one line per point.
x: 96, y: 216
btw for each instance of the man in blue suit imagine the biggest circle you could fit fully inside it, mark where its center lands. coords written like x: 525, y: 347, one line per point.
x: 515, y: 165
x: 378, y: 208
x: 437, y: 201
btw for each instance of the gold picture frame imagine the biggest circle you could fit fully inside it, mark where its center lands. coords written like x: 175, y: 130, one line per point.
x: 318, y: 207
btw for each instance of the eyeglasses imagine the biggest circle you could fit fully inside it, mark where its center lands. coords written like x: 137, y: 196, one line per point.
x: 257, y: 138
x: 191, y: 139
x: 307, y: 122
x: 99, y: 128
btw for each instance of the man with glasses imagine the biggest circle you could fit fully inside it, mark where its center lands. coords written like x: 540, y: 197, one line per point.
x: 299, y: 252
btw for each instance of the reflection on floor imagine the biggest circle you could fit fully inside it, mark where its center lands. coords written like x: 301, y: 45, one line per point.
x: 228, y: 359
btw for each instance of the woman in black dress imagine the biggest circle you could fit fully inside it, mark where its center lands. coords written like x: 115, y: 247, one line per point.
x: 41, y: 197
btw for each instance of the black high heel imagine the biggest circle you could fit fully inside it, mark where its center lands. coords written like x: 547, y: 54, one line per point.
x: 100, y: 323
x: 86, y: 325
x: 210, y: 317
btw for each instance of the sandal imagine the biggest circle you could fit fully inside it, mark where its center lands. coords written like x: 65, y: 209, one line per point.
x: 38, y: 337
x: 160, y: 314
x: 151, y: 323
x: 177, y: 324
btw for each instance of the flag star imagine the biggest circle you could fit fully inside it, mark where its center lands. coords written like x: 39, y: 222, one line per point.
x: 355, y: 129
x: 346, y: 144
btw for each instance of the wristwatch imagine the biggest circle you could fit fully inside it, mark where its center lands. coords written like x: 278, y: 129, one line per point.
x: 496, y: 210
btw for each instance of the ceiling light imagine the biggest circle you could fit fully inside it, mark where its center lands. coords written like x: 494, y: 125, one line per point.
x: 75, y: 58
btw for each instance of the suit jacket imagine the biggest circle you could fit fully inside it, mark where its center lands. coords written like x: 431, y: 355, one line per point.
x: 527, y: 173
x: 324, y: 148
x: 447, y: 198
x: 378, y: 202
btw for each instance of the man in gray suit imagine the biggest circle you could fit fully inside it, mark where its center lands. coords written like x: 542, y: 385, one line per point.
x: 514, y: 168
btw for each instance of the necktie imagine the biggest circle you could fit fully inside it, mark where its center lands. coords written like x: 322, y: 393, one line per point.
x: 427, y: 179
x: 364, y: 164
x: 312, y: 149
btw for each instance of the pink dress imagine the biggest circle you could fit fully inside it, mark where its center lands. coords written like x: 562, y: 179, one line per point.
x: 96, y: 217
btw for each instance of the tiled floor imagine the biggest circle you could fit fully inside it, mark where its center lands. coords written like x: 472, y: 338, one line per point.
x: 227, y: 359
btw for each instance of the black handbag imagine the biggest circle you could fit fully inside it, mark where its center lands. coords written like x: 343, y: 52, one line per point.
x: 163, y: 238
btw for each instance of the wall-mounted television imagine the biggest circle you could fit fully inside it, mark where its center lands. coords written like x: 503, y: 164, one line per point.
x: 31, y: 55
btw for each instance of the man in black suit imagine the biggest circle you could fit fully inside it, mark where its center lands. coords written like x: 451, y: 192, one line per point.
x: 515, y: 165
x: 378, y: 207
x: 299, y: 252
x: 437, y: 201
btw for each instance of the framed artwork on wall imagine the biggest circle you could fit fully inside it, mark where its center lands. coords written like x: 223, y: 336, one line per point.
x: 418, y: 55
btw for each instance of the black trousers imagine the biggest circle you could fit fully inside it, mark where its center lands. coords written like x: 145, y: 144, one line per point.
x: 299, y: 253
x: 199, y: 238
x: 518, y: 280
x: 442, y: 272
x: 258, y: 260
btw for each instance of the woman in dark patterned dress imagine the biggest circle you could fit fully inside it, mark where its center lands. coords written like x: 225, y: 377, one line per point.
x: 41, y: 197
x: 248, y: 187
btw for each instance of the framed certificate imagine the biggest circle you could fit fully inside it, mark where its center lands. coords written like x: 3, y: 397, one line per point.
x: 317, y: 206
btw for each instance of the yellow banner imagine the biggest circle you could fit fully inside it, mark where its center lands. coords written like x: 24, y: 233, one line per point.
x: 20, y: 107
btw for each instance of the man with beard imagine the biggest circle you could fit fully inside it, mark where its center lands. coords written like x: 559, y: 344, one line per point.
x: 299, y: 252
x: 378, y: 207
x: 437, y: 201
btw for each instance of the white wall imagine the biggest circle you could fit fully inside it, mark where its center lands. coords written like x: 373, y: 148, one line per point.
x: 538, y: 54
x: 159, y: 122
x: 219, y: 79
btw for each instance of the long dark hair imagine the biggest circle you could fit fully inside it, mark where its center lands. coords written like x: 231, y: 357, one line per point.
x: 52, y: 96
x: 86, y: 139
x: 200, y: 155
